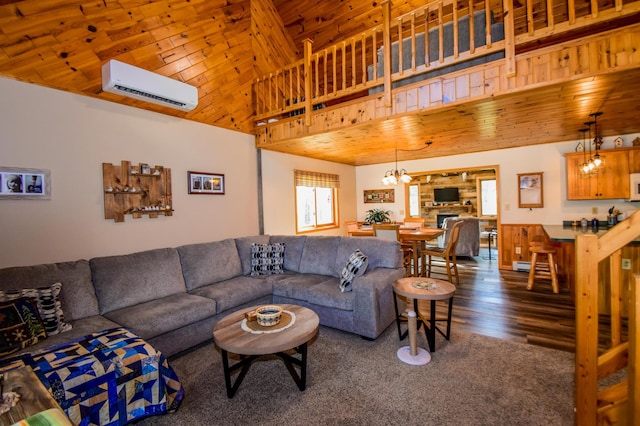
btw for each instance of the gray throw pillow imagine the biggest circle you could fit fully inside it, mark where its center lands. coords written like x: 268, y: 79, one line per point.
x: 267, y: 259
x: 356, y: 266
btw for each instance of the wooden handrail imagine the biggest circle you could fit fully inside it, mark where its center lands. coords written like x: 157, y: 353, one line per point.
x: 617, y: 403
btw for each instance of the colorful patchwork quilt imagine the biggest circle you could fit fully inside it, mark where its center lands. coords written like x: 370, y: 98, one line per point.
x: 108, y: 378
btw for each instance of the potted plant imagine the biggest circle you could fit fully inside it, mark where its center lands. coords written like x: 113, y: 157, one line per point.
x: 377, y: 216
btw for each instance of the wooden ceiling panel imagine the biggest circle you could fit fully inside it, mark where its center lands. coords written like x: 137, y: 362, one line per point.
x: 220, y: 46
x: 543, y: 115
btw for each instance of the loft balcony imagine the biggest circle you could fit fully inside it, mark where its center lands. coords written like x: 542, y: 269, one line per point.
x: 451, y: 67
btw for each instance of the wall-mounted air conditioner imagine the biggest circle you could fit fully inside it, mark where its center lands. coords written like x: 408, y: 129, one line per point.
x: 134, y: 82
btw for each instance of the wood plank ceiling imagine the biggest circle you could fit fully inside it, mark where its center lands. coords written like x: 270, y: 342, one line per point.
x: 220, y: 46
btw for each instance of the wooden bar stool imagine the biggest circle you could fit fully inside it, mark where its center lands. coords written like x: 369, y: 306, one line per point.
x: 543, y: 270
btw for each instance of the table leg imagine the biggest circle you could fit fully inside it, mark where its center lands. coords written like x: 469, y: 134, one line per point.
x: 412, y: 354
x: 289, y: 361
x: 244, y: 363
x: 411, y: 304
x: 430, y: 331
x: 489, y: 242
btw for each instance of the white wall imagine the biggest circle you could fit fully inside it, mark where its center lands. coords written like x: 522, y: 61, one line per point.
x: 546, y: 158
x: 73, y: 135
x: 278, y: 191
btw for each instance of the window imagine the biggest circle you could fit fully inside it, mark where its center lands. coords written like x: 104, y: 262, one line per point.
x: 316, y: 201
x: 414, y: 200
x: 488, y: 199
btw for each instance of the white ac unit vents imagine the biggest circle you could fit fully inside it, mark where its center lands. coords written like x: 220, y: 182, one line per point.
x: 134, y: 82
x: 521, y: 265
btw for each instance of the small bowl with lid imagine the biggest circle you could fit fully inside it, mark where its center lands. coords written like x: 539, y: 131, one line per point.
x: 268, y: 315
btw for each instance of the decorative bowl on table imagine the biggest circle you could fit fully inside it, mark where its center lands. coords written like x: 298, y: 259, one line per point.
x: 268, y: 315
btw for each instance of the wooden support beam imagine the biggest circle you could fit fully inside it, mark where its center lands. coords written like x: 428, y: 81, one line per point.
x: 509, y: 39
x: 386, y: 12
x: 633, y: 374
x: 586, y: 329
x: 308, y: 96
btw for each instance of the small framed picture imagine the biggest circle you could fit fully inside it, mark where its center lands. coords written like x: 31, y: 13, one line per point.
x: 25, y: 184
x: 379, y: 195
x: 145, y: 169
x: 205, y: 183
x: 530, y: 193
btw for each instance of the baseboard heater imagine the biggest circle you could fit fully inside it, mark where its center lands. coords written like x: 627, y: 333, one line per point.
x: 521, y: 266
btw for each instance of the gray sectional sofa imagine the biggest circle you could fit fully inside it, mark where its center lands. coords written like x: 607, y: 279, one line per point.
x: 172, y: 297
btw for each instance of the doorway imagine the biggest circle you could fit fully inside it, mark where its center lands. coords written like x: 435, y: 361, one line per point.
x: 474, y: 191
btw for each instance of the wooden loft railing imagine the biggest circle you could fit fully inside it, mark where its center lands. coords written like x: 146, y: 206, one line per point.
x: 604, y: 396
x: 350, y: 68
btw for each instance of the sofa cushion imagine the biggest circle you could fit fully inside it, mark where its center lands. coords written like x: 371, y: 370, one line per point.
x: 380, y: 253
x: 234, y: 292
x: 319, y: 256
x: 293, y: 253
x: 164, y: 314
x: 298, y: 286
x: 20, y: 325
x: 47, y: 300
x: 78, y: 296
x: 326, y: 293
x: 355, y: 266
x: 208, y: 263
x: 244, y: 250
x: 128, y: 280
x: 267, y: 259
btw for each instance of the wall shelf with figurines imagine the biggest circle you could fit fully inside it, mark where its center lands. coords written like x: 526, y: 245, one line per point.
x: 139, y: 190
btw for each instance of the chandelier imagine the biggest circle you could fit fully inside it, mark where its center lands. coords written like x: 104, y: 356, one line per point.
x: 591, y: 165
x: 393, y: 176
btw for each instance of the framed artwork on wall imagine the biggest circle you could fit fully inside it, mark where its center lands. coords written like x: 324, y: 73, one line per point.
x: 379, y: 195
x: 25, y: 184
x: 206, y: 183
x: 530, y: 193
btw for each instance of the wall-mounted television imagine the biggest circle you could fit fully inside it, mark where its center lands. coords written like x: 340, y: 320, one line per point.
x: 446, y: 195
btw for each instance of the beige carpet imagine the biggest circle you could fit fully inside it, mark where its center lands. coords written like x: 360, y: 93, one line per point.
x: 471, y: 380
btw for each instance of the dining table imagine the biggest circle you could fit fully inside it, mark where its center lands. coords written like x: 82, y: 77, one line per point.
x: 417, y: 237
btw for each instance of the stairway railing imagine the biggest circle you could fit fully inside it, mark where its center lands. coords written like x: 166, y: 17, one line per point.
x: 601, y: 396
x: 340, y: 71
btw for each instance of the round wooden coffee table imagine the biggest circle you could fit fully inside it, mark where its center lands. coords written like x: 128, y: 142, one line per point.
x: 434, y: 290
x: 230, y: 336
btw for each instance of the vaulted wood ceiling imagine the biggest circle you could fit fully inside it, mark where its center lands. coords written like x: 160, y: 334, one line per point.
x: 221, y: 46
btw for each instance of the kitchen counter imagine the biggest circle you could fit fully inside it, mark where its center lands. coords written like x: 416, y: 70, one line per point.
x: 560, y: 233
x: 564, y: 237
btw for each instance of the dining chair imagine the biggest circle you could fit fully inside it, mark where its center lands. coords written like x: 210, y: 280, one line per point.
x: 391, y: 232
x: 351, y: 226
x: 414, y: 222
x: 448, y: 253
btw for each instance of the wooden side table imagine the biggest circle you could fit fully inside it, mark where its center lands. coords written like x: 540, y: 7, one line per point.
x: 34, y: 397
x: 410, y: 288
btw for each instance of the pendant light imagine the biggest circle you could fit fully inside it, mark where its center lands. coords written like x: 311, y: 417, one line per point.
x: 597, y: 140
x: 585, y: 165
x: 393, y: 176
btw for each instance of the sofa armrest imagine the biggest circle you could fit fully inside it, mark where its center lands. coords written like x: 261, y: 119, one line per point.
x: 373, y: 300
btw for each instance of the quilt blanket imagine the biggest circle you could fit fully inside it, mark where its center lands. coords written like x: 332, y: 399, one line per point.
x: 108, y: 378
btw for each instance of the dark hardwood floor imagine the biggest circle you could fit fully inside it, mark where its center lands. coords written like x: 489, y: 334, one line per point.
x: 496, y: 303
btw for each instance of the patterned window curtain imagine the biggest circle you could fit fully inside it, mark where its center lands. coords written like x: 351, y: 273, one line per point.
x: 316, y: 180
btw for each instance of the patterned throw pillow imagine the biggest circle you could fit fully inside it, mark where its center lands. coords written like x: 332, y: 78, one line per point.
x: 20, y: 325
x: 356, y: 266
x: 48, y: 302
x: 267, y: 259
